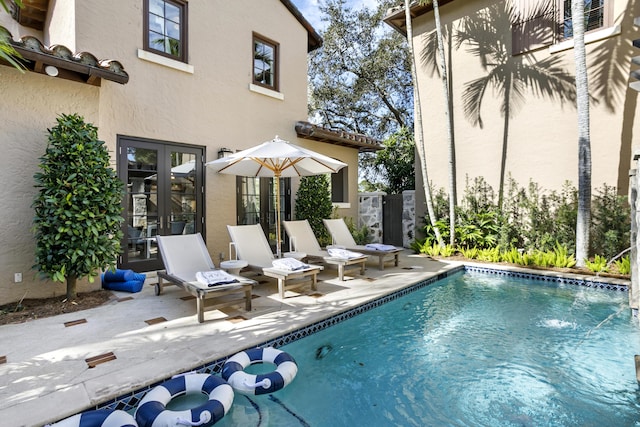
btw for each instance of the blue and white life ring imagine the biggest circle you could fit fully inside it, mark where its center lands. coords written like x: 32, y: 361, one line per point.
x: 242, y: 382
x: 152, y: 412
x: 99, y: 418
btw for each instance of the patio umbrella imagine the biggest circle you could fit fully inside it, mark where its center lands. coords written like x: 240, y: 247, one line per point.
x: 277, y: 159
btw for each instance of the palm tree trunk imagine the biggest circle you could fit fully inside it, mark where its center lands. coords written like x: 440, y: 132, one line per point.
x: 418, y: 125
x: 584, y: 141
x: 505, y: 139
x: 448, y: 115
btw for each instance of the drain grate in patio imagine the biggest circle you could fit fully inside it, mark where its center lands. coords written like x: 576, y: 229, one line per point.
x: 3, y: 359
x: 94, y: 361
x: 74, y: 322
x: 155, y: 320
x: 125, y: 299
x: 187, y: 298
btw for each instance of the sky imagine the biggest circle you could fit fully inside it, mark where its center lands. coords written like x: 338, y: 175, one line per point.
x: 311, y: 10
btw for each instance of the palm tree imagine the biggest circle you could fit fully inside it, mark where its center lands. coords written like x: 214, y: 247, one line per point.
x: 448, y: 114
x: 584, y: 141
x: 487, y: 35
x: 418, y: 126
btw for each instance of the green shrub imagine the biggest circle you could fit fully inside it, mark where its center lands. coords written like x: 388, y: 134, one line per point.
x: 437, y: 250
x: 489, y: 255
x: 610, y: 222
x: 623, y: 265
x: 533, y: 219
x: 78, y: 209
x: 513, y: 256
x: 361, y: 235
x: 313, y: 203
x: 599, y: 264
x: 470, y: 253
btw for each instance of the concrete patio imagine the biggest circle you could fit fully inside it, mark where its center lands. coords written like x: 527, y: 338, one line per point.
x: 55, y: 367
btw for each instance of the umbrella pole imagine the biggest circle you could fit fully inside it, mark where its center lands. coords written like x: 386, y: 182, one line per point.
x: 278, y: 249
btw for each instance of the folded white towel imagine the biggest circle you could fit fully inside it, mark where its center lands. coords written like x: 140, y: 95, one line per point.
x: 343, y: 253
x: 291, y: 264
x: 215, y: 277
x: 380, y: 247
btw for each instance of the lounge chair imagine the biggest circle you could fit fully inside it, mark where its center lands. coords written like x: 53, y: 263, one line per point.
x: 341, y: 236
x: 183, y: 257
x: 303, y: 240
x: 251, y: 245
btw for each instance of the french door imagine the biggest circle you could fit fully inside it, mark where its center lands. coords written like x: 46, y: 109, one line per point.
x: 256, y: 204
x: 164, y: 196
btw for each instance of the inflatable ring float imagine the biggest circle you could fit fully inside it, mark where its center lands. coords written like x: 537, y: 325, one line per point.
x: 98, y: 418
x: 152, y: 412
x: 233, y: 371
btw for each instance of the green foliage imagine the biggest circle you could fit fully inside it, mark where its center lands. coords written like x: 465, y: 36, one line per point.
x: 361, y: 235
x: 77, y: 209
x: 470, y: 253
x: 623, y: 265
x: 7, y: 51
x: 396, y: 162
x: 557, y: 257
x: 537, y: 226
x: 489, y: 255
x: 514, y: 256
x: 610, y: 229
x: 360, y: 80
x: 437, y: 250
x: 313, y: 203
x: 597, y: 265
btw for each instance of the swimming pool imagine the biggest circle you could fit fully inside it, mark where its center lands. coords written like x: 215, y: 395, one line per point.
x: 471, y: 349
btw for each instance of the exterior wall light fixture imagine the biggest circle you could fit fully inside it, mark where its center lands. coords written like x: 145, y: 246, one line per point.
x: 224, y: 152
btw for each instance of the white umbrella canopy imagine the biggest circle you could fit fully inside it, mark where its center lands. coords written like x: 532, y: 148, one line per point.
x: 278, y: 159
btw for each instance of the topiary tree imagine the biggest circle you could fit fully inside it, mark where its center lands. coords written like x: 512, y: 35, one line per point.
x: 77, y: 209
x: 313, y: 203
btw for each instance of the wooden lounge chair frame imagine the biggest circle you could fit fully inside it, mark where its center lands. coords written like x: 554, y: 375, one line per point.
x: 252, y: 246
x: 185, y: 255
x: 341, y: 236
x: 302, y: 239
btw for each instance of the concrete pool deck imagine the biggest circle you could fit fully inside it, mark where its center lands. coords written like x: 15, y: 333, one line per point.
x: 143, y: 338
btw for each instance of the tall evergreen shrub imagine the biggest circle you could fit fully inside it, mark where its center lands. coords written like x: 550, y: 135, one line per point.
x: 77, y: 209
x: 313, y: 203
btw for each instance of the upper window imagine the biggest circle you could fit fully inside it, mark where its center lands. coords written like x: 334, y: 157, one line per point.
x: 166, y: 28
x: 594, y: 17
x: 339, y: 186
x: 265, y: 62
x: 538, y: 26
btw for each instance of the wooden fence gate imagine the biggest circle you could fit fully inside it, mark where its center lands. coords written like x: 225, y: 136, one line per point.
x: 392, y: 219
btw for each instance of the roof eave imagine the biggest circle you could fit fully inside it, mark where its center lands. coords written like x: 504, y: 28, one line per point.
x: 314, y: 41
x: 83, y: 67
x: 395, y: 16
x: 363, y: 143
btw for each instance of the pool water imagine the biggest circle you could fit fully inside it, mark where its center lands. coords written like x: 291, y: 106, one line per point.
x: 470, y: 350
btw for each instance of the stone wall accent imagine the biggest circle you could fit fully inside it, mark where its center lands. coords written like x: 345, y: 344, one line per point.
x: 408, y: 217
x: 370, y: 213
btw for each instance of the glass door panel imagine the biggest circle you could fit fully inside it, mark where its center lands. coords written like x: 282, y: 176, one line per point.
x: 256, y: 204
x: 183, y: 204
x: 163, y: 196
x: 141, y: 203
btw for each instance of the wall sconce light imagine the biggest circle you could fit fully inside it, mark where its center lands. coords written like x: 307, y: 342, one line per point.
x: 51, y: 70
x: 224, y: 152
